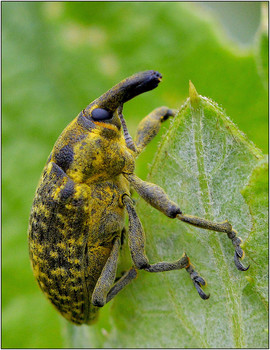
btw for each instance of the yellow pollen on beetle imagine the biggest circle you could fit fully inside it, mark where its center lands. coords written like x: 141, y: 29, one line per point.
x: 53, y: 254
x: 61, y: 245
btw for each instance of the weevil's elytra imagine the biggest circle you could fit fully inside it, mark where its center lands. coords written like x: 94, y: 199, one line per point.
x: 77, y: 219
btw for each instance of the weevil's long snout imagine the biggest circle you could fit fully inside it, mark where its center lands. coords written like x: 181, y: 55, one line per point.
x: 127, y: 89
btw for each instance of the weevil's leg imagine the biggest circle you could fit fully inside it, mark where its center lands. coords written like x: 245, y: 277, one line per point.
x: 150, y: 125
x: 157, y: 197
x: 198, y: 281
x: 107, y: 276
x: 104, y: 291
x: 225, y: 227
x: 136, y: 240
x: 121, y: 283
x: 129, y: 142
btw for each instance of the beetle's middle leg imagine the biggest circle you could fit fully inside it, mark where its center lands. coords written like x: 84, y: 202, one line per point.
x: 136, y: 240
x: 156, y: 196
x: 105, y: 290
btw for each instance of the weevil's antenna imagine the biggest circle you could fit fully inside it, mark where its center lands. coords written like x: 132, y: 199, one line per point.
x: 129, y: 142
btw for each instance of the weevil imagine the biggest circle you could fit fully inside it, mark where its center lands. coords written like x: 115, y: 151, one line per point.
x: 78, y: 213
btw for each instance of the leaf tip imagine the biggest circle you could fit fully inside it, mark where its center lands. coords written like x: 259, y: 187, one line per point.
x: 194, y: 97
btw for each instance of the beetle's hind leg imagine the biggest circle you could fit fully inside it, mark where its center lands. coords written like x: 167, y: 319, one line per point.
x: 105, y: 290
x: 136, y: 242
x: 150, y: 125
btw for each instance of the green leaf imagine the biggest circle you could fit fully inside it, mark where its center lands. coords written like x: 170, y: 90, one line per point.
x: 262, y: 45
x: 203, y: 164
x: 256, y: 245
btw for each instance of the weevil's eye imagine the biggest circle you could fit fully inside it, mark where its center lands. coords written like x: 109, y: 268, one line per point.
x: 101, y: 114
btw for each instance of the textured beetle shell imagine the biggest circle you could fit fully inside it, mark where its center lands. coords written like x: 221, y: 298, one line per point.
x: 76, y: 215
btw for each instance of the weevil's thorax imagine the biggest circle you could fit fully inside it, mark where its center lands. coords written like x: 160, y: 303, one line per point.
x: 93, y: 154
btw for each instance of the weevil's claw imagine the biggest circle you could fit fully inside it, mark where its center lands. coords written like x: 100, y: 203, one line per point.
x: 239, y: 254
x: 198, y: 282
x: 200, y: 291
x: 238, y: 263
x: 239, y: 251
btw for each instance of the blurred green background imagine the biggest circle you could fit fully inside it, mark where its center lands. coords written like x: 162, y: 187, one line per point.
x: 59, y: 56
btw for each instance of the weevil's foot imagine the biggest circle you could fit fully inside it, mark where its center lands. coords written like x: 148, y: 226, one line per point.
x: 237, y: 261
x: 200, y: 291
x: 239, y: 254
x: 169, y: 113
x: 198, y: 282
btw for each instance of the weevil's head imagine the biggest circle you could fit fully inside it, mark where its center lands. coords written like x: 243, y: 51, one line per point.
x: 82, y: 149
x: 104, y: 111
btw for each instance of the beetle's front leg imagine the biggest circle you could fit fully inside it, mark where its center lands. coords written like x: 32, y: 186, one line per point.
x: 105, y: 290
x: 157, y: 197
x: 150, y: 125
